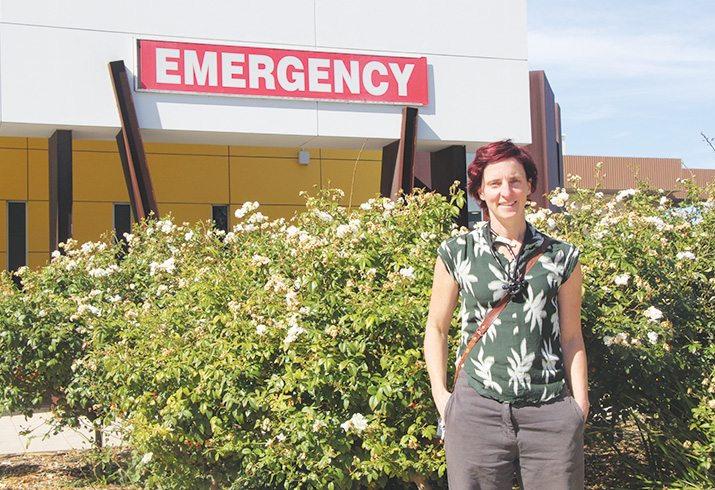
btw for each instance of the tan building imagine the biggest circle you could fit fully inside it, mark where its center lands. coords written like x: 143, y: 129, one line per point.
x: 107, y: 117
x: 619, y: 173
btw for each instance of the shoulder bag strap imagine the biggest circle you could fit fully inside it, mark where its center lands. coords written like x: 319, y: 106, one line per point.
x: 494, y: 313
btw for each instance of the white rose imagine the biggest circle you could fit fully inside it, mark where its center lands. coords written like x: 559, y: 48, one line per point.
x: 653, y: 313
x: 622, y: 280
x: 408, y: 273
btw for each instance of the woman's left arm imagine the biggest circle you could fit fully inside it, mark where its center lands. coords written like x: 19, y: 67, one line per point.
x: 572, y: 344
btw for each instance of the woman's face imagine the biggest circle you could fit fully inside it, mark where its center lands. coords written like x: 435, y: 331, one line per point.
x: 505, y: 189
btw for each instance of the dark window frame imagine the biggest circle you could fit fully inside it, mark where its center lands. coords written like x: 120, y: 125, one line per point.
x: 126, y: 209
x: 15, y: 231
x: 219, y: 217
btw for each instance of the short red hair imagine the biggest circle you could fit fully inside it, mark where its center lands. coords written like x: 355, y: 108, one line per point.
x: 496, y: 152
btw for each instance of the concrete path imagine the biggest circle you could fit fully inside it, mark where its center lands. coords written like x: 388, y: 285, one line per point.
x: 39, y: 439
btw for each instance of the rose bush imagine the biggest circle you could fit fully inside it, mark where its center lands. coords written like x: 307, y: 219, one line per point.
x: 288, y: 354
x: 279, y: 355
x: 648, y: 317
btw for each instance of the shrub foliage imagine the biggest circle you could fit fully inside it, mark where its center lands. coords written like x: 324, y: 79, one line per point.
x: 649, y: 319
x: 277, y: 355
x: 288, y: 354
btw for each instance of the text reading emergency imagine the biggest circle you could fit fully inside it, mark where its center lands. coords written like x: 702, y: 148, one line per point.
x: 260, y: 72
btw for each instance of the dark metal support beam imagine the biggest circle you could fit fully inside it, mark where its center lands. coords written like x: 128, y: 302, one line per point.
x: 61, y: 194
x: 131, y: 147
x: 389, y: 165
x: 408, y: 148
x: 448, y: 165
x: 398, y: 158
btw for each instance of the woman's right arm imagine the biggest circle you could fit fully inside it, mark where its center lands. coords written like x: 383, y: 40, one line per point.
x: 445, y: 294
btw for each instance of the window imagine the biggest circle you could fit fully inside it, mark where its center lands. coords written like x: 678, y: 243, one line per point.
x: 219, y: 215
x: 122, y: 220
x: 122, y: 224
x: 16, y: 236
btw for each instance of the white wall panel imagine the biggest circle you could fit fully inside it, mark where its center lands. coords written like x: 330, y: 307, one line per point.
x: 478, y: 100
x: 484, y: 28
x: 360, y: 121
x: 59, y: 76
x: 274, y: 22
x: 54, y: 75
x: 225, y: 114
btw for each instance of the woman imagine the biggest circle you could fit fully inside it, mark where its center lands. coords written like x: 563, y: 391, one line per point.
x: 520, y: 401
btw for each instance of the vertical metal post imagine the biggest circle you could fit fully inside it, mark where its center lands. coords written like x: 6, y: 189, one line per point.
x: 398, y: 158
x: 61, y: 192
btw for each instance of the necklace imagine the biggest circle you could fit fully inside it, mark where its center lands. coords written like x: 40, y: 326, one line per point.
x: 515, y: 283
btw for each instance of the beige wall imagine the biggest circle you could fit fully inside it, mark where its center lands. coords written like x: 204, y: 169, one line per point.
x: 620, y: 173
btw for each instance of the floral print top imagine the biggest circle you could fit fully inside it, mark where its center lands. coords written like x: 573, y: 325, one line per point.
x: 519, y: 358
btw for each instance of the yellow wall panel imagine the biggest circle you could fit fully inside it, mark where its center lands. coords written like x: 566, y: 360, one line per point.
x: 269, y: 152
x: 98, y: 177
x: 338, y: 174
x: 182, y: 149
x: 38, y: 229
x: 95, y: 145
x: 13, y: 142
x: 38, y: 143
x: 39, y: 186
x: 13, y: 174
x: 36, y: 260
x: 272, y: 180
x: 352, y: 155
x: 3, y: 231
x: 189, y: 178
x: 91, y: 220
x: 3, y: 262
x: 186, y: 213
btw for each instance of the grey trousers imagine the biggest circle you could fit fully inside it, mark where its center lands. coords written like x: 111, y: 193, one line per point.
x: 487, y: 441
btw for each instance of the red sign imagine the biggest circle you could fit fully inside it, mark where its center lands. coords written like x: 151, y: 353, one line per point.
x: 280, y: 73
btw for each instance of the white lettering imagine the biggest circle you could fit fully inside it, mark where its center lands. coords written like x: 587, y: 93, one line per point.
x: 343, y: 77
x: 402, y: 77
x: 260, y: 66
x: 164, y: 65
x: 316, y: 74
x: 275, y: 73
x: 229, y: 67
x: 367, y: 73
x: 298, y: 79
x: 194, y: 69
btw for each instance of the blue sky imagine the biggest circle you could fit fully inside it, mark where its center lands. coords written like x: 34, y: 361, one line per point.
x: 633, y: 78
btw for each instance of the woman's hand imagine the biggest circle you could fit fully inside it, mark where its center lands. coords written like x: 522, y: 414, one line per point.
x: 585, y: 406
x: 441, y: 402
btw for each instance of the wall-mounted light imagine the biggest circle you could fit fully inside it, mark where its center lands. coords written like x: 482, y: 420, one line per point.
x: 304, y: 157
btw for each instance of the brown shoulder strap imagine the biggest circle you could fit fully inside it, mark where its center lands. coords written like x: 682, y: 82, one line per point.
x: 498, y: 308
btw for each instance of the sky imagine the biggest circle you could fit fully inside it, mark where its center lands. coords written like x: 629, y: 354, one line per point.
x: 633, y: 78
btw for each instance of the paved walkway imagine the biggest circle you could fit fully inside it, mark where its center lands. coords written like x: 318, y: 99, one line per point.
x: 39, y: 439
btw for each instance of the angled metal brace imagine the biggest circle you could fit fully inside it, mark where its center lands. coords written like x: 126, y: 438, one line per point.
x: 131, y: 147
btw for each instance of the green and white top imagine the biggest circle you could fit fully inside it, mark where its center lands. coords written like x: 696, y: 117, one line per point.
x: 519, y: 358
